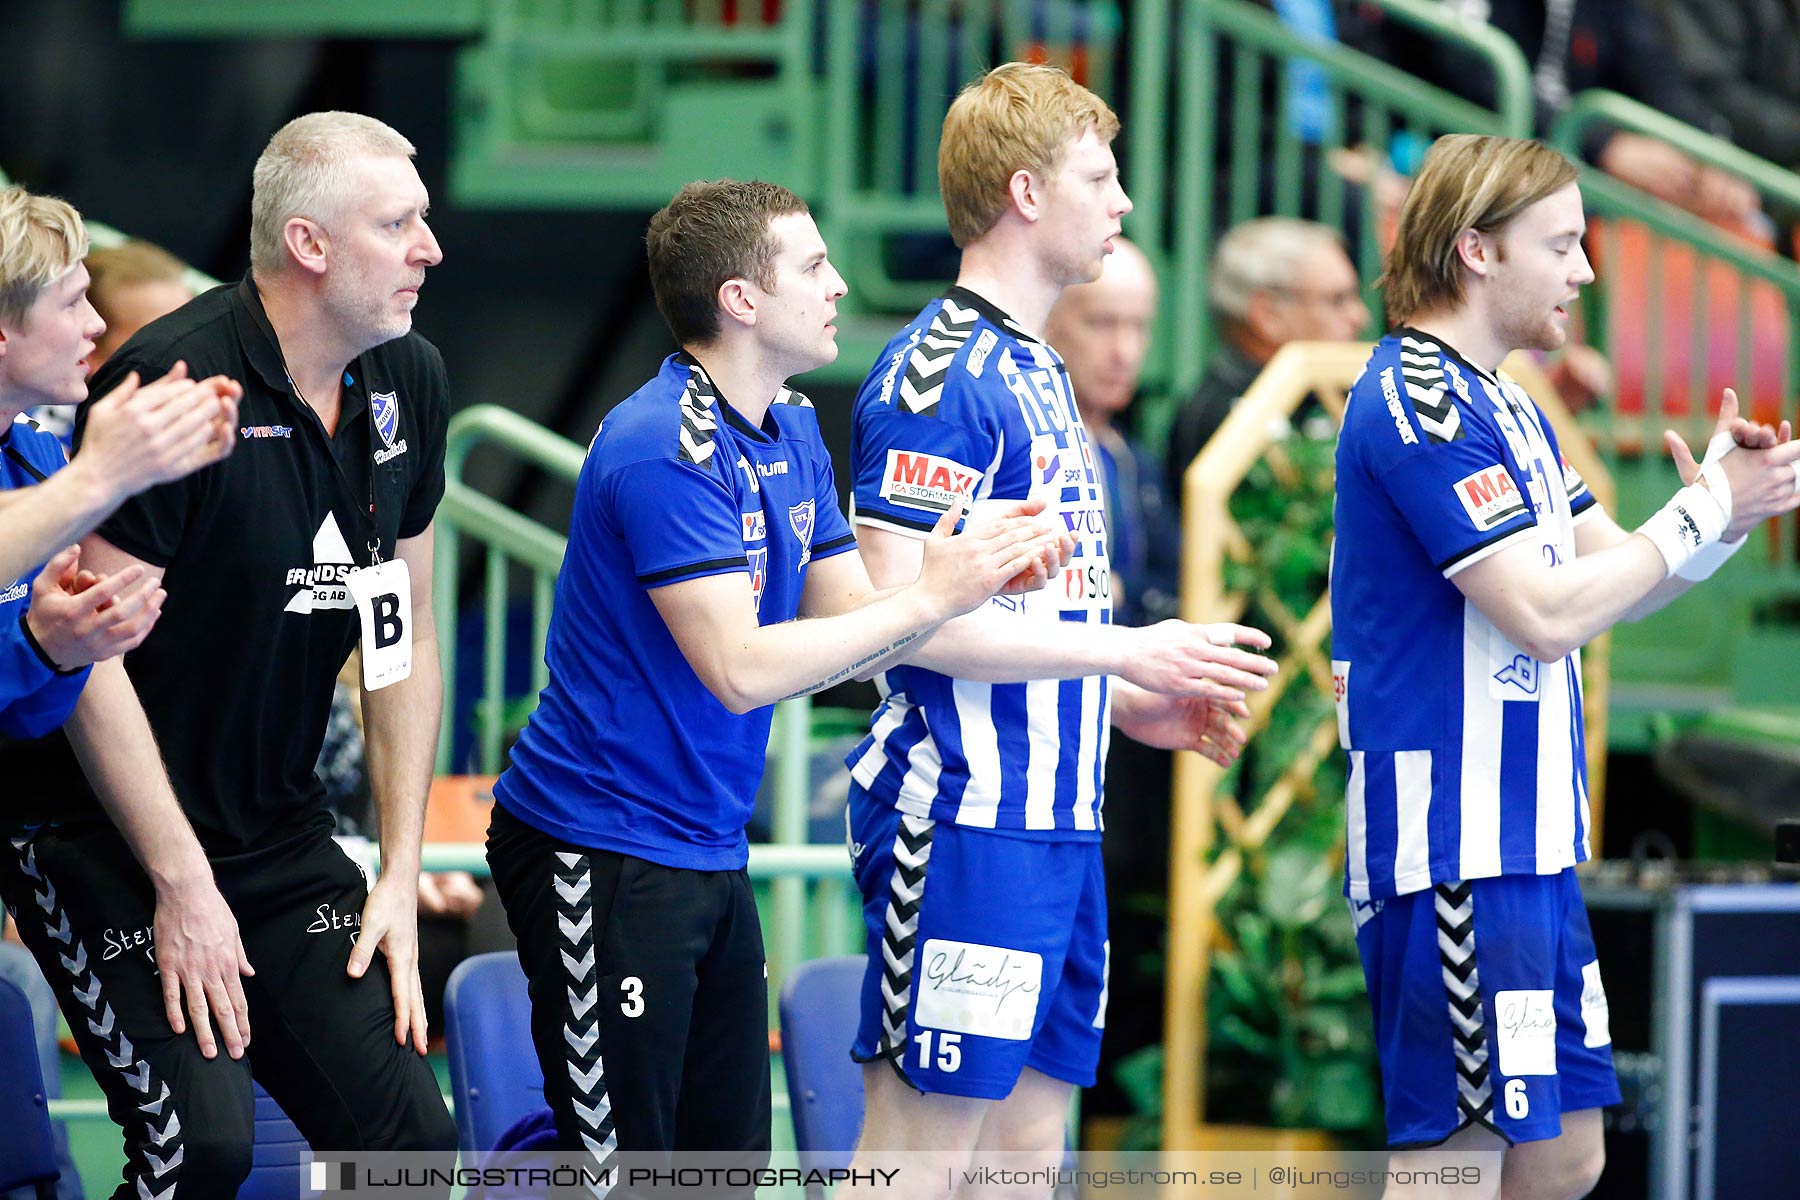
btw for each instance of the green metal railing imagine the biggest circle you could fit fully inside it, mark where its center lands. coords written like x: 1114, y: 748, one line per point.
x: 505, y: 538
x: 892, y: 69
x: 1266, y: 164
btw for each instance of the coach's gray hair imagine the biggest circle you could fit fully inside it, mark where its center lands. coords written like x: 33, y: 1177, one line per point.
x: 1262, y: 255
x: 301, y: 174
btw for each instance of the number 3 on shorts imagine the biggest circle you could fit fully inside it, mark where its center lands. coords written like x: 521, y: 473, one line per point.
x: 1518, y: 1104
x: 633, y: 987
x: 949, y: 1057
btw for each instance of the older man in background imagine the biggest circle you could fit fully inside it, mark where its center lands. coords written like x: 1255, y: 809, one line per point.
x: 1102, y: 330
x: 1274, y: 280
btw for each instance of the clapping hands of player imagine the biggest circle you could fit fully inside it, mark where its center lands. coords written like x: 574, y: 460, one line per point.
x: 1179, y: 658
x: 1211, y: 728
x: 1759, y: 464
x: 80, y: 618
x: 141, y: 434
x: 1010, y: 548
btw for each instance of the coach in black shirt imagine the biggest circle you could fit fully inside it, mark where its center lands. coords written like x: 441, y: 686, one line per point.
x: 329, y: 495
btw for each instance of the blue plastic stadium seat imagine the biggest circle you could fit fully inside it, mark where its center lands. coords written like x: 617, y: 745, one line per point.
x: 819, y: 1010
x: 494, y: 1073
x: 27, y: 1151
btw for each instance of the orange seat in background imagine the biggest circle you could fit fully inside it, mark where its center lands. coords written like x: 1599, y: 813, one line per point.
x: 1630, y: 295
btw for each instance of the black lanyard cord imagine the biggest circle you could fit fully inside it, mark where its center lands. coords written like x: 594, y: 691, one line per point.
x: 374, y: 543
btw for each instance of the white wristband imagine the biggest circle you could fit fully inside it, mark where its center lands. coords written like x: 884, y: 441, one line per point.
x: 1692, y: 520
x: 1704, y: 562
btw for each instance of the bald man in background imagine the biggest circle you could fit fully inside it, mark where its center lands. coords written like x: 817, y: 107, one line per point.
x: 1102, y: 330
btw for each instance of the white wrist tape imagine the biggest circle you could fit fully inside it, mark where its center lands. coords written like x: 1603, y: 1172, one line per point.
x: 1690, y: 522
x: 1704, y: 562
x: 1714, y: 474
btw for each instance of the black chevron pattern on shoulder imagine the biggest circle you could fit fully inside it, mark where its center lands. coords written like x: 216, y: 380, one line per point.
x: 1422, y: 371
x: 928, y: 366
x: 698, y: 426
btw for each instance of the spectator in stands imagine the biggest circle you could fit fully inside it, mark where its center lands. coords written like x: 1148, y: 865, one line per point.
x: 1574, y: 45
x: 1744, y: 60
x: 131, y: 285
x: 1274, y: 280
x: 1102, y: 330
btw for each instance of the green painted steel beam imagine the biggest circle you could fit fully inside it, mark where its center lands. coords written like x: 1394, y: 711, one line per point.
x: 304, y: 18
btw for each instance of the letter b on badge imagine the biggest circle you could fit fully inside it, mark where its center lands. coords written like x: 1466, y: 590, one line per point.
x: 388, y: 626
x: 383, y: 597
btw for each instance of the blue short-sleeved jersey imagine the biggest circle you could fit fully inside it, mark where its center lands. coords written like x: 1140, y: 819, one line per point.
x: 34, y: 697
x: 1467, y: 756
x: 628, y: 750
x: 964, y: 401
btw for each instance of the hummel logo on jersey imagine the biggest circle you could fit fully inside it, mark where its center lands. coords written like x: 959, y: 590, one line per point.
x: 1490, y: 496
x: 926, y: 480
x: 1521, y: 672
x: 766, y: 470
x: 17, y: 591
x: 322, y: 585
x: 800, y: 517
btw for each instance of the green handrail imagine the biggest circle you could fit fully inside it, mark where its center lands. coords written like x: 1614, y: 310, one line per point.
x: 1599, y: 106
x: 1253, y: 40
x: 506, y: 535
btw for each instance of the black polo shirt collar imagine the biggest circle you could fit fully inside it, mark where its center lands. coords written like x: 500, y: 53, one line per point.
x: 263, y: 348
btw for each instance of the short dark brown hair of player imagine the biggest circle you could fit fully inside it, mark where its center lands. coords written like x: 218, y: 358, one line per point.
x: 714, y: 230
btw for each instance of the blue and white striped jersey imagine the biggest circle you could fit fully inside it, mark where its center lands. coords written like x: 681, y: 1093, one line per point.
x: 1467, y: 756
x: 964, y: 401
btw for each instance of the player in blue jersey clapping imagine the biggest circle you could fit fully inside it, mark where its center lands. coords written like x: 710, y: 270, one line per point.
x: 1472, y: 563
x: 975, y: 805
x: 706, y: 521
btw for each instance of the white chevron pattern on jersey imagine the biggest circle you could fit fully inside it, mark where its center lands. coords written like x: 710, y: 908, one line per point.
x: 787, y: 395
x: 697, y: 423
x: 572, y: 881
x: 1422, y: 369
x: 154, y: 1150
x: 1456, y: 954
x: 922, y: 385
x: 912, y: 852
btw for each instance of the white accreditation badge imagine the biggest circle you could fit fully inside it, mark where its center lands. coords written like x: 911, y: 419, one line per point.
x: 383, y: 596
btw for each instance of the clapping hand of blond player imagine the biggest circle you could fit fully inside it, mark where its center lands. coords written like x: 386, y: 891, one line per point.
x: 1755, y: 466
x: 1211, y: 728
x: 142, y: 434
x: 80, y: 618
x: 1179, y: 658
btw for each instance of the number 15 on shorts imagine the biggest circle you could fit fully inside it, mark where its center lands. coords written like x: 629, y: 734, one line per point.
x: 948, y: 1046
